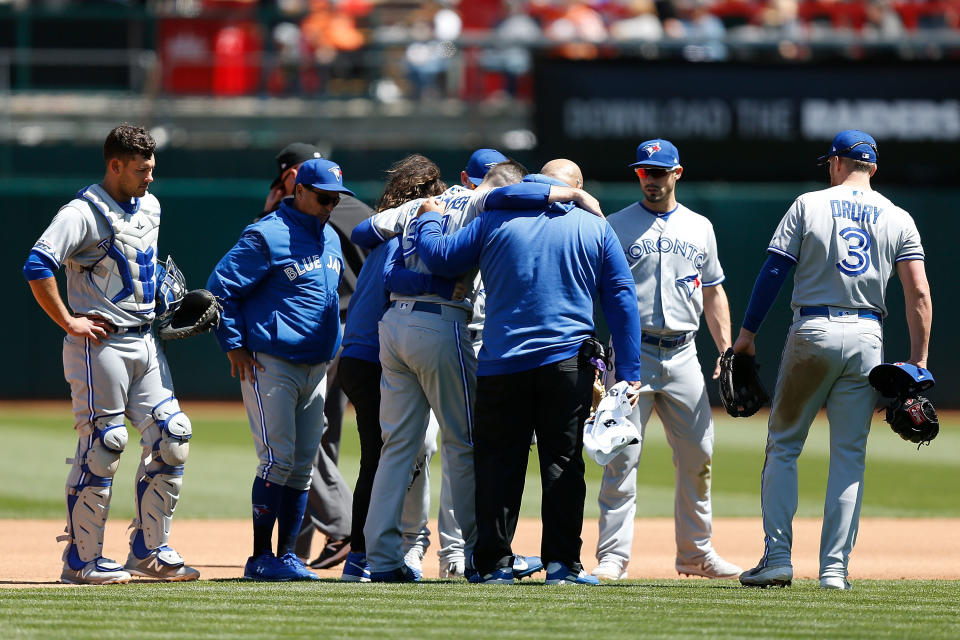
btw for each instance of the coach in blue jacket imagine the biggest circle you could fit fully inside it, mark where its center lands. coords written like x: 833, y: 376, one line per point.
x: 280, y: 329
x: 542, y: 271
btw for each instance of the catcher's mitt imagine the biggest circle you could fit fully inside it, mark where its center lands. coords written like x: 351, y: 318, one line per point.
x: 741, y: 391
x: 198, y: 312
x: 914, y: 419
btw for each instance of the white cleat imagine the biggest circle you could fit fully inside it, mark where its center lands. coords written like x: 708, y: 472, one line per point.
x: 413, y: 558
x: 609, y: 570
x: 835, y: 582
x: 98, y: 571
x: 767, y: 577
x: 162, y: 563
x: 711, y: 566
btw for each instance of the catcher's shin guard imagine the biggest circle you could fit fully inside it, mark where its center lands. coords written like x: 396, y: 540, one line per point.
x: 89, y: 489
x: 165, y: 437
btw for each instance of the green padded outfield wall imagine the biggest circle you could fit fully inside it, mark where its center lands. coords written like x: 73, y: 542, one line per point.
x: 202, y: 219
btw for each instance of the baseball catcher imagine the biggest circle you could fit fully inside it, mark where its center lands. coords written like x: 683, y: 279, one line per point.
x: 741, y: 391
x: 910, y: 415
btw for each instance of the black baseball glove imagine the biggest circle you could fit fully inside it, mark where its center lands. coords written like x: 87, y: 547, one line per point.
x: 741, y: 391
x: 199, y: 312
x: 914, y: 419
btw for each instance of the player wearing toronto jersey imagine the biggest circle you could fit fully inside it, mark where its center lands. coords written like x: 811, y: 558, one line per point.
x: 672, y: 253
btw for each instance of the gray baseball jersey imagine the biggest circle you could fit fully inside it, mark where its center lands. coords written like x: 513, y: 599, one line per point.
x: 672, y: 257
x: 103, y: 277
x: 860, y: 233
x: 678, y: 251
x: 846, y: 242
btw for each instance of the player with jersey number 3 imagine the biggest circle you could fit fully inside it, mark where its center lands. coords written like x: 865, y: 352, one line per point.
x: 846, y: 242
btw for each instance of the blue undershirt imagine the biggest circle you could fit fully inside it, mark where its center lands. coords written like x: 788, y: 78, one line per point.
x: 771, y: 278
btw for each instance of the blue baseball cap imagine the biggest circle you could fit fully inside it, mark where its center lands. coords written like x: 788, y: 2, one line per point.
x: 852, y: 143
x: 657, y: 153
x: 900, y: 379
x: 322, y: 174
x: 481, y: 162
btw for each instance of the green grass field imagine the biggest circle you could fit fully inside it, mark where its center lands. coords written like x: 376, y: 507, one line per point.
x: 648, y: 609
x: 220, y: 469
x: 901, y: 481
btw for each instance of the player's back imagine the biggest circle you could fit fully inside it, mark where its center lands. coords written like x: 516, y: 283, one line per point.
x: 846, y: 242
x: 540, y: 274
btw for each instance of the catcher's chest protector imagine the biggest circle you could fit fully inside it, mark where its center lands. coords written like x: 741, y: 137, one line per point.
x: 126, y: 275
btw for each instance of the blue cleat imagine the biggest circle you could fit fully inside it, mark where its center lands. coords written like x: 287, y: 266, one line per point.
x: 524, y: 566
x: 355, y: 568
x: 503, y: 575
x: 400, y: 574
x: 559, y: 573
x: 266, y: 567
x: 295, y: 564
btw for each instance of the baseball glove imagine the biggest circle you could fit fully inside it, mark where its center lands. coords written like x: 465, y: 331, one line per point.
x: 198, y: 312
x: 741, y: 391
x: 914, y: 419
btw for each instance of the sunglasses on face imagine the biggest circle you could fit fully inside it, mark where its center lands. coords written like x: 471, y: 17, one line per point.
x: 325, y: 199
x: 647, y: 172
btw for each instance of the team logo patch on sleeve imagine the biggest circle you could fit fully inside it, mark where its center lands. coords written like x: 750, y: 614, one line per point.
x: 44, y: 245
x: 688, y: 285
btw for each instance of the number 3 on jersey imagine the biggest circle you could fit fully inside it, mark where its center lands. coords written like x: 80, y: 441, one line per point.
x: 858, y: 247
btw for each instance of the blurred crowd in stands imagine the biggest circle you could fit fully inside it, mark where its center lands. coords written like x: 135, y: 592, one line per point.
x: 469, y: 48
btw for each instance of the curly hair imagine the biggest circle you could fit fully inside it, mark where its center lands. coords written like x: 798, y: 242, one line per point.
x: 413, y: 177
x: 127, y: 141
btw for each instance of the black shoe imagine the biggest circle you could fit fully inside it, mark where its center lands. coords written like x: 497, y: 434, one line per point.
x: 333, y: 554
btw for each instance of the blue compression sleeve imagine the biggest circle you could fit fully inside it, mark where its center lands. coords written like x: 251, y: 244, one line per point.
x: 771, y: 278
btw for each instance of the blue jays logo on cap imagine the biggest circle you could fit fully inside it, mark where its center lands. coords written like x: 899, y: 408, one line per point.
x: 657, y: 153
x: 320, y: 173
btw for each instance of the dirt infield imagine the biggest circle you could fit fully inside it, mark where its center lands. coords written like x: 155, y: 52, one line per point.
x: 886, y: 548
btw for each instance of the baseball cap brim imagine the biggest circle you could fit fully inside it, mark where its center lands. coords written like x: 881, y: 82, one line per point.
x: 653, y: 163
x: 332, y: 186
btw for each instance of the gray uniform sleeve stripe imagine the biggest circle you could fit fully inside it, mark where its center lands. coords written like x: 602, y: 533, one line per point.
x: 714, y: 283
x: 910, y: 256
x: 783, y: 253
x: 49, y: 255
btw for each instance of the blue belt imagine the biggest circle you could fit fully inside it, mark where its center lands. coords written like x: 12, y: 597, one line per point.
x: 140, y: 330
x: 426, y: 307
x: 667, y: 342
x: 825, y: 311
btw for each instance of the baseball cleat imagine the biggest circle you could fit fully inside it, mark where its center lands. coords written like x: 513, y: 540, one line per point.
x: 524, y: 566
x: 413, y: 558
x: 835, y: 582
x: 333, y: 553
x: 162, y: 563
x: 559, y: 573
x: 355, y: 568
x: 400, y: 574
x: 710, y: 566
x: 295, y: 564
x: 609, y: 570
x: 267, y: 567
x: 767, y: 577
x: 503, y: 575
x: 98, y: 571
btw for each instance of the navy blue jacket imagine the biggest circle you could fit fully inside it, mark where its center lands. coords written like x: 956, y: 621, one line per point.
x: 278, y: 287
